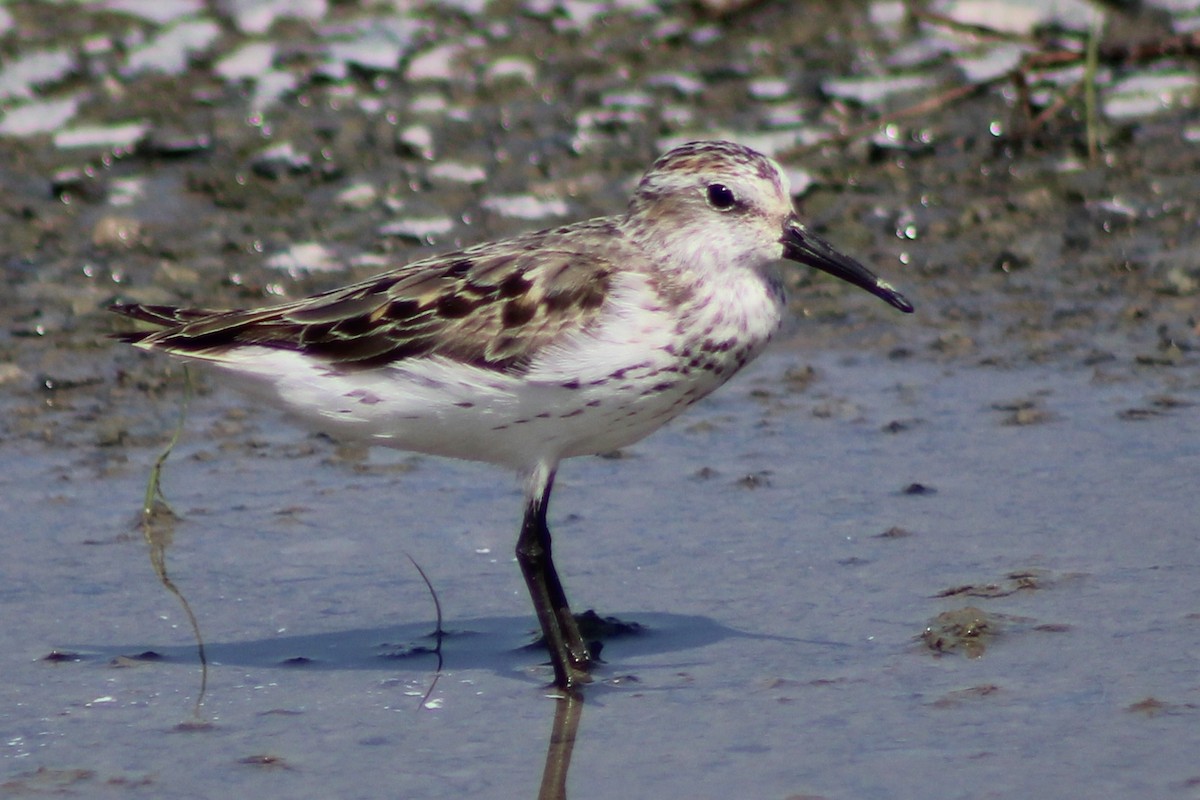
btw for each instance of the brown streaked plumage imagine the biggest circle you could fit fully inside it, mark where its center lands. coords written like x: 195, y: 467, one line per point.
x: 490, y: 306
x: 553, y: 344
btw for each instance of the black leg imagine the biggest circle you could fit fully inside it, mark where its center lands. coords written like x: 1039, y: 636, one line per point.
x: 568, y: 652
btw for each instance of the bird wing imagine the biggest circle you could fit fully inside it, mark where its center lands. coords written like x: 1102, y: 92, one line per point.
x: 494, y: 306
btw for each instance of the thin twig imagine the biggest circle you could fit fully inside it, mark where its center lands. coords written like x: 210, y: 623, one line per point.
x: 157, y: 523
x: 1090, y: 103
x: 438, y: 631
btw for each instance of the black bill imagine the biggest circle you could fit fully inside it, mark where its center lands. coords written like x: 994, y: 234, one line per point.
x: 800, y: 244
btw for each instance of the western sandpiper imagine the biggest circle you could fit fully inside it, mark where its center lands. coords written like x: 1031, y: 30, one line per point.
x: 564, y: 342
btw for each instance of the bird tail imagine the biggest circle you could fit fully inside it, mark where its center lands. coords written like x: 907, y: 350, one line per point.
x: 158, y: 317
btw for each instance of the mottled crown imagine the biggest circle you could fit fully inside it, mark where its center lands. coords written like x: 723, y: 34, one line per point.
x: 713, y: 159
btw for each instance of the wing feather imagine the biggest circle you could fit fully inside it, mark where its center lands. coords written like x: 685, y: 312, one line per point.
x: 495, y: 306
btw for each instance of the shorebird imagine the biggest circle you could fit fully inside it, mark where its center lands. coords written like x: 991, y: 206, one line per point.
x: 521, y: 352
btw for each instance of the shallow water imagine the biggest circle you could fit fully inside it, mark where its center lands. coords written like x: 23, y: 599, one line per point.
x: 782, y: 652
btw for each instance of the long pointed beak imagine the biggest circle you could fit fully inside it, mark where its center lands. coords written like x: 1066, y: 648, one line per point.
x: 800, y: 244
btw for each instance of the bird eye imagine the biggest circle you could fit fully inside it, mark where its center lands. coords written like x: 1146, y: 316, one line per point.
x: 721, y: 197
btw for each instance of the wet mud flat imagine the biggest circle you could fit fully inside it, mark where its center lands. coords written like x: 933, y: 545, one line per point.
x: 843, y: 579
x: 895, y: 544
